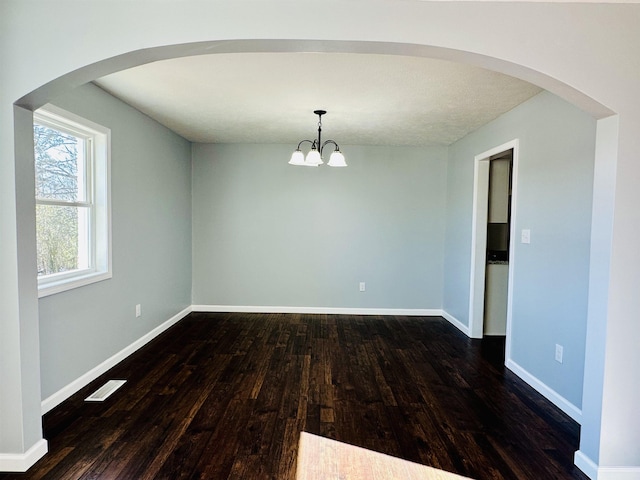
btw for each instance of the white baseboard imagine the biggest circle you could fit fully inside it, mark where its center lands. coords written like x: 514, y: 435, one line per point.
x: 585, y: 464
x: 456, y: 323
x: 21, y: 462
x: 618, y: 473
x: 420, y: 312
x: 554, y: 397
x: 593, y: 471
x: 61, y: 395
x: 65, y: 392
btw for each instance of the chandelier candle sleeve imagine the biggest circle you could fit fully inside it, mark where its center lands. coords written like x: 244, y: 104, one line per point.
x: 314, y: 156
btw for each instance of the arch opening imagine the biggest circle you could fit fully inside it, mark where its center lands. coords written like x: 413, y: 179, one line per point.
x: 88, y: 73
x: 67, y: 82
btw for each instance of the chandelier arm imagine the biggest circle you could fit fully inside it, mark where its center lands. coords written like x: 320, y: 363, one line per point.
x: 326, y: 142
x: 311, y: 142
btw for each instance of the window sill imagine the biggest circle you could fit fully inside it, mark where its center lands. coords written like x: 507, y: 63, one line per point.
x: 62, y: 285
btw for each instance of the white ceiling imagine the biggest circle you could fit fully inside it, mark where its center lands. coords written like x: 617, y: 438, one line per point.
x: 270, y: 97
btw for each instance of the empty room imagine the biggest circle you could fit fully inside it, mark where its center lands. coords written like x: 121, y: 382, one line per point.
x: 256, y: 251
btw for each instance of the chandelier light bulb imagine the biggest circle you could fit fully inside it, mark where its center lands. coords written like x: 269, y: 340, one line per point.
x: 297, y: 158
x: 337, y: 159
x: 313, y: 158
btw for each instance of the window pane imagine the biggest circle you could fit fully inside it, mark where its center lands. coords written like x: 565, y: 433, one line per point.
x: 62, y: 238
x: 60, y: 164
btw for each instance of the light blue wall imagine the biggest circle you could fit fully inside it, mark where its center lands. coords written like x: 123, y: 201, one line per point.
x: 554, y: 200
x: 151, y: 228
x: 269, y: 234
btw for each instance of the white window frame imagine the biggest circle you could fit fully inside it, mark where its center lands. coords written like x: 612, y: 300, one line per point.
x: 98, y: 184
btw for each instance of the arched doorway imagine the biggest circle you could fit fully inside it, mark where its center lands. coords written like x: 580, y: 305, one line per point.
x: 43, y: 94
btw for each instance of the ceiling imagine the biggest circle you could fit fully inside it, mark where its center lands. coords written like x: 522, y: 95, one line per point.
x: 270, y: 97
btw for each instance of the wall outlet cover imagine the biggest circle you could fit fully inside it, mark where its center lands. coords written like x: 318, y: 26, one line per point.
x: 559, y: 353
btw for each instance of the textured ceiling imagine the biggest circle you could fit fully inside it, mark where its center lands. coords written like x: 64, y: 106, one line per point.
x: 270, y: 97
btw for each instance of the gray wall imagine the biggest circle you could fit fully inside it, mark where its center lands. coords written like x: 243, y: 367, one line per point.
x: 151, y: 229
x: 555, y: 181
x: 269, y: 234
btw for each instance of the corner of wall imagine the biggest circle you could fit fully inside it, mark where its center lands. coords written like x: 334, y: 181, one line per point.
x: 21, y: 462
x: 456, y: 323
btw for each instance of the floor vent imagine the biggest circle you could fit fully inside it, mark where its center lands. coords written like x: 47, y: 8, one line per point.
x: 104, y: 391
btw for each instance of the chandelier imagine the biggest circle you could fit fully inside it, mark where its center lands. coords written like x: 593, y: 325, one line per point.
x: 314, y: 157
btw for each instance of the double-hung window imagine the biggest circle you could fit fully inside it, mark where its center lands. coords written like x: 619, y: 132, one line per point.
x: 72, y: 200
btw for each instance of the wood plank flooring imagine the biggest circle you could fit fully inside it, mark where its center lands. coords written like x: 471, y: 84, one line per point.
x: 226, y: 395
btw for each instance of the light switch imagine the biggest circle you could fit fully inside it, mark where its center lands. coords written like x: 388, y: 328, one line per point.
x: 525, y: 236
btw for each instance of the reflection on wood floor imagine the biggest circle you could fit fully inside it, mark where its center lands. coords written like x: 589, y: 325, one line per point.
x: 227, y: 395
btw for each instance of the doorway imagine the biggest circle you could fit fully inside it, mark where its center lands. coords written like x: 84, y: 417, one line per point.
x: 492, y: 255
x: 498, y: 239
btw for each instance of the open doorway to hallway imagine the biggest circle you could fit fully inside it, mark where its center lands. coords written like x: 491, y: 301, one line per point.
x: 498, y: 239
x: 494, y: 200
x: 496, y: 285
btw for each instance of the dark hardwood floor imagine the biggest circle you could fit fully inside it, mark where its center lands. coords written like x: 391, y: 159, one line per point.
x: 225, y: 396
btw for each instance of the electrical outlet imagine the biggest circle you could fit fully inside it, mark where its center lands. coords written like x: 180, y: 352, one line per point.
x: 138, y: 310
x: 362, y: 287
x: 525, y: 236
x: 559, y: 352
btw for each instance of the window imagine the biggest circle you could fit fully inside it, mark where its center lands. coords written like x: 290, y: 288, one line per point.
x: 73, y: 230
